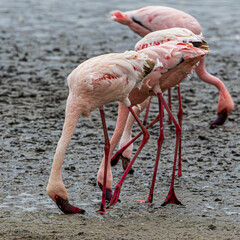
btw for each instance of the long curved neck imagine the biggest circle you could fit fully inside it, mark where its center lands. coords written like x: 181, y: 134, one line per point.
x: 207, y: 77
x: 225, y: 102
x: 72, y: 115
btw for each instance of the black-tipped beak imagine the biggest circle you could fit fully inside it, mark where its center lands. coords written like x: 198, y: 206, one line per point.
x: 204, y: 45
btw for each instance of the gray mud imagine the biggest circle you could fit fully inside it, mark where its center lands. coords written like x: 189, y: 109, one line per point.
x: 40, y: 43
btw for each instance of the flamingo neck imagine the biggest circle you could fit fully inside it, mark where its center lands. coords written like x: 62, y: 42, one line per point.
x: 225, y: 102
x: 207, y: 77
x: 72, y: 114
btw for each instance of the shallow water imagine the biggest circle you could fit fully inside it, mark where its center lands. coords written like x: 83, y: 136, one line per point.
x: 40, y: 44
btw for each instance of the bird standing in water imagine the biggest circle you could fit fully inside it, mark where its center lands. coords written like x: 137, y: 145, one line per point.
x: 93, y: 84
x: 177, y: 59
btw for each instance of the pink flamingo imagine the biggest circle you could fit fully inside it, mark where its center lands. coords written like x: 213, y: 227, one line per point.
x: 152, y: 18
x: 178, y: 59
x: 140, y: 102
x: 154, y: 38
x: 93, y: 84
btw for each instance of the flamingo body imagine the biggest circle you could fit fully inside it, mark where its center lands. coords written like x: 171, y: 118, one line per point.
x: 170, y: 53
x: 106, y: 78
x: 152, y: 18
x: 161, y: 36
x: 92, y: 84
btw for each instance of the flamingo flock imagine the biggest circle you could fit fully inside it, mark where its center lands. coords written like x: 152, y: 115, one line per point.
x: 160, y: 61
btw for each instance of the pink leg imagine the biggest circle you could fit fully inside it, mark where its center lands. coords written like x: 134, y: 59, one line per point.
x: 121, y: 121
x: 144, y: 141
x: 118, y: 154
x: 160, y: 141
x: 106, y: 151
x: 127, y: 135
x: 180, y: 114
x: 171, y: 197
x: 147, y: 112
x: 169, y: 104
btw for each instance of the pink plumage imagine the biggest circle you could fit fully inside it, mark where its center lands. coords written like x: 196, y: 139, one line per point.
x: 93, y: 84
x: 106, y: 78
x: 152, y: 18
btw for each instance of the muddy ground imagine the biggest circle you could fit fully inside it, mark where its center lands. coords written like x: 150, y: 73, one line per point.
x: 40, y: 44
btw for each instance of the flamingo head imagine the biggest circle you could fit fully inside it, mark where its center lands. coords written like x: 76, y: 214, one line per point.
x: 120, y: 17
x: 128, y: 18
x: 225, y: 107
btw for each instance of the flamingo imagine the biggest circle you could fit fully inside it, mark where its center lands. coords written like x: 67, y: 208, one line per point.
x: 93, y: 84
x: 154, y: 38
x: 178, y: 59
x: 152, y: 18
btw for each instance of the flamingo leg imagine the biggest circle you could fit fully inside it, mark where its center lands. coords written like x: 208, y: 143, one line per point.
x: 144, y: 141
x: 106, y: 151
x: 160, y: 141
x: 147, y: 112
x: 127, y: 134
x: 121, y: 121
x: 169, y: 104
x: 118, y: 154
x: 180, y: 114
x: 171, y: 197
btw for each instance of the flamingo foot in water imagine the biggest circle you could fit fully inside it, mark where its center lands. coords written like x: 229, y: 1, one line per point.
x: 66, y: 207
x: 125, y: 162
x: 179, y: 174
x: 108, y: 192
x: 220, y: 120
x: 150, y: 198
x: 171, y: 198
x: 102, y: 209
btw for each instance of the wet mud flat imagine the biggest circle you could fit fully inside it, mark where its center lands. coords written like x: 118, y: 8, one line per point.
x: 40, y: 44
